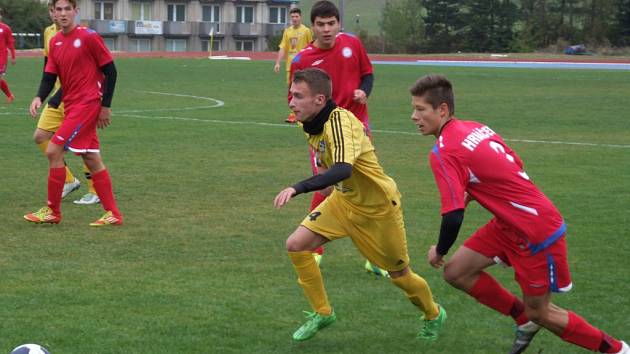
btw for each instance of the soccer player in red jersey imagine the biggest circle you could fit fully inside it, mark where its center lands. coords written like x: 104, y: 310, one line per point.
x: 6, y: 46
x: 472, y: 162
x: 343, y: 57
x: 88, y: 76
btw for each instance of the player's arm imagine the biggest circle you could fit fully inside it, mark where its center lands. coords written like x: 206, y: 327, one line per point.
x: 109, y: 85
x: 12, y: 47
x: 337, y: 173
x: 365, y: 88
x: 281, y: 54
x: 45, y: 87
x: 451, y: 223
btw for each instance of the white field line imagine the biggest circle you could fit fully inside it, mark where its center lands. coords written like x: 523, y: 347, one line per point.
x: 284, y: 125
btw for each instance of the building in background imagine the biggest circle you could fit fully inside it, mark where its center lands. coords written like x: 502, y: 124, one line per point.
x: 186, y: 25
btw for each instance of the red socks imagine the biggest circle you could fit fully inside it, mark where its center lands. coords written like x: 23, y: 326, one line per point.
x: 5, y: 88
x: 581, y: 333
x: 56, y: 180
x: 490, y: 293
x: 103, y: 187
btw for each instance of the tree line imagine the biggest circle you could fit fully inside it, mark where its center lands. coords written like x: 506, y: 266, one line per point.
x: 446, y: 26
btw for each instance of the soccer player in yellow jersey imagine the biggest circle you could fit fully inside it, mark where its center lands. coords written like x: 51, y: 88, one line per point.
x: 363, y: 204
x: 295, y: 38
x: 50, y: 120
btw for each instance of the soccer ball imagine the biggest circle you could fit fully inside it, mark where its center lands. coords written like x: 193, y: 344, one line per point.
x: 30, y: 349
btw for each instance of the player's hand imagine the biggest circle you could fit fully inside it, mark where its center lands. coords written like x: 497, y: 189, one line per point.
x: 276, y: 67
x: 360, y: 96
x: 283, y: 197
x: 37, y: 102
x: 12, y: 61
x: 104, y: 117
x: 435, y: 259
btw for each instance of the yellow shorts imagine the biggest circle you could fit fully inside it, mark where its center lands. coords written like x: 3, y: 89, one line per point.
x: 381, y: 238
x: 51, y: 118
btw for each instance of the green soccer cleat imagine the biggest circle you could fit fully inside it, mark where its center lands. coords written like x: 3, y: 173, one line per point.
x: 431, y: 328
x: 314, y: 322
x: 372, y: 269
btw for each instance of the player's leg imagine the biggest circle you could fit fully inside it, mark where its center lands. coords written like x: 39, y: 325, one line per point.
x: 104, y: 190
x: 316, y: 200
x: 299, y: 247
x: 291, y: 117
x: 90, y: 197
x: 4, y: 86
x: 49, y: 121
x: 56, y: 177
x: 382, y: 240
x: 569, y: 326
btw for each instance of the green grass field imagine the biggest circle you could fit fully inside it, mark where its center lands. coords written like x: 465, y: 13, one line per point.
x: 200, y: 264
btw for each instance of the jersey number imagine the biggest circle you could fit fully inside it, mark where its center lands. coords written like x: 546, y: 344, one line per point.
x: 499, y: 149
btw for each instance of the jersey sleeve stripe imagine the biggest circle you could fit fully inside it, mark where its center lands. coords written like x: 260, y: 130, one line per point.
x: 337, y: 131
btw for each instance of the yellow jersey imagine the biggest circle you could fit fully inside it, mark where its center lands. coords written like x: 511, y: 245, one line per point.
x: 50, y: 32
x: 343, y: 139
x: 294, y: 40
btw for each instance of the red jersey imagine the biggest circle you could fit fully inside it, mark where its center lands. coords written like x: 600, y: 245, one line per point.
x: 470, y: 157
x: 76, y: 57
x: 346, y: 62
x: 6, y: 43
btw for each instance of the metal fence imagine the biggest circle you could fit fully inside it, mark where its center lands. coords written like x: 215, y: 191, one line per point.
x: 28, y: 40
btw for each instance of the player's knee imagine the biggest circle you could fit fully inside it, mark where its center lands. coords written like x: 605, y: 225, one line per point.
x: 293, y: 245
x: 451, y: 275
x: 39, y: 138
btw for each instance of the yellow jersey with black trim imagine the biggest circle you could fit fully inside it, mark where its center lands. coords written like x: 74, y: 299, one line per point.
x: 293, y: 40
x: 50, y: 32
x: 343, y: 139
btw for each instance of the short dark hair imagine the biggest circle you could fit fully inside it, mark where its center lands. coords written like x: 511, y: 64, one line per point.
x: 324, y: 9
x: 72, y: 2
x: 317, y: 80
x: 295, y: 10
x: 436, y: 89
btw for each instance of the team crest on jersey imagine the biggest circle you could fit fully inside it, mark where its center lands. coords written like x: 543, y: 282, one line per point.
x: 346, y: 52
x: 77, y: 43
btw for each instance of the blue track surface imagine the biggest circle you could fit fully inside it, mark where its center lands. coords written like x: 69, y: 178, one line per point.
x: 511, y: 64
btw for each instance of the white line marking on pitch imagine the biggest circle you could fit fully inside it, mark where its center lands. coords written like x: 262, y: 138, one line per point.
x: 284, y: 125
x: 217, y: 103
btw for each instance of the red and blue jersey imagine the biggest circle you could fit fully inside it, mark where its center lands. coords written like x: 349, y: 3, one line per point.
x: 76, y: 57
x: 346, y: 62
x: 470, y: 157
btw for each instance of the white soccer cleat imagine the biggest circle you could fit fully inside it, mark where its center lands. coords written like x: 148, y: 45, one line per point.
x: 625, y: 349
x: 70, y: 187
x: 87, y: 199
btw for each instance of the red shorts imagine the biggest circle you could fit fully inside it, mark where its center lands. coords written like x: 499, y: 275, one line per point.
x: 77, y: 132
x: 537, y: 274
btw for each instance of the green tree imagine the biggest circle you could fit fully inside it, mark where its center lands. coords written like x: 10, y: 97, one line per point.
x: 620, y: 30
x: 444, y: 25
x: 25, y: 16
x: 403, y: 26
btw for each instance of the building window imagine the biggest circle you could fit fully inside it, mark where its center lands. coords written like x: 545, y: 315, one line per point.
x: 110, y: 43
x: 278, y: 15
x: 176, y: 12
x: 211, y: 13
x: 216, y: 45
x: 103, y: 10
x: 141, y: 11
x: 139, y: 45
x: 245, y: 14
x: 176, y: 45
x: 245, y: 46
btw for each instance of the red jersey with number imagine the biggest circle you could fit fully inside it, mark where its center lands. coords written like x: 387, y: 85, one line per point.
x: 346, y: 62
x: 76, y: 57
x: 6, y: 43
x: 470, y: 157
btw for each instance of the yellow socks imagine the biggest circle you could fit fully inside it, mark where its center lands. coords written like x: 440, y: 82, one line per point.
x: 69, y: 176
x: 418, y: 292
x: 88, y: 177
x: 310, y: 278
